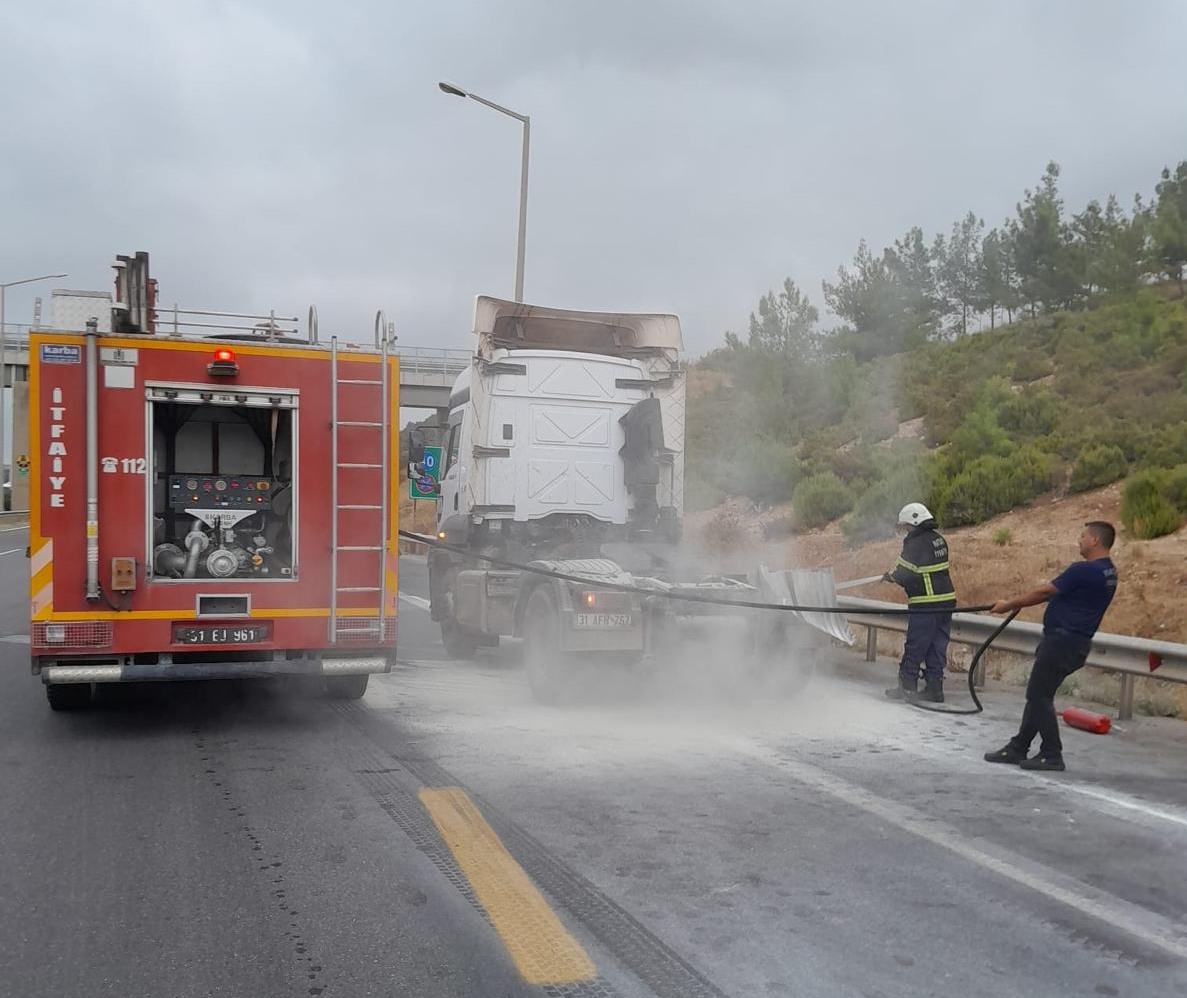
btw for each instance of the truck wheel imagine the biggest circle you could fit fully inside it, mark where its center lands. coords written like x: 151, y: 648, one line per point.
x: 346, y: 687
x: 542, y: 655
x: 68, y: 696
x: 458, y: 643
x: 780, y: 666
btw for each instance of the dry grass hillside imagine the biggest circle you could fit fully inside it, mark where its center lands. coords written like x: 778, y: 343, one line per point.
x: 1002, y: 557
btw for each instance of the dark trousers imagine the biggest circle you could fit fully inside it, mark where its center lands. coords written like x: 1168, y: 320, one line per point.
x: 926, y: 645
x: 1057, y: 657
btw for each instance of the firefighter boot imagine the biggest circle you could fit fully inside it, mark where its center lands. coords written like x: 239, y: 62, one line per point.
x: 933, y: 691
x: 906, y: 690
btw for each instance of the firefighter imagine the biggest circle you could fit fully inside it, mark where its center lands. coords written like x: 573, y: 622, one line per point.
x: 922, y: 571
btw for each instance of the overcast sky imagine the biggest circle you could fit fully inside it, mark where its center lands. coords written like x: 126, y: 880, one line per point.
x: 687, y: 155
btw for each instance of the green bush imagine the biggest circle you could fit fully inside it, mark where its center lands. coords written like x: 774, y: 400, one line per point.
x: 1075, y: 433
x: 1145, y: 509
x: 1175, y: 488
x: 992, y: 485
x: 1164, y: 446
x: 979, y: 435
x: 1098, y: 465
x: 820, y: 499
x: 857, y: 468
x: 876, y: 510
x: 1031, y: 366
x: 1003, y: 536
x: 1030, y: 413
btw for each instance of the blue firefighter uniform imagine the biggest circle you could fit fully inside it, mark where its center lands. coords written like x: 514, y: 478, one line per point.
x: 922, y: 571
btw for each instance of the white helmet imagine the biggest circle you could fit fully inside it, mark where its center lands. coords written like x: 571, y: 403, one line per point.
x: 913, y: 514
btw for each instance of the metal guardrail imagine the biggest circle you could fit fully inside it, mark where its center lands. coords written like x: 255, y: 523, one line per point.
x: 1130, y: 657
x: 433, y: 360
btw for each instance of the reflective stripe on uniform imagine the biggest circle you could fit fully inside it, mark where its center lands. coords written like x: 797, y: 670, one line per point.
x: 925, y: 572
x: 939, y: 567
x: 933, y: 598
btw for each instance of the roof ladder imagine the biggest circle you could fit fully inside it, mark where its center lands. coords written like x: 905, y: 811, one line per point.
x: 381, y: 429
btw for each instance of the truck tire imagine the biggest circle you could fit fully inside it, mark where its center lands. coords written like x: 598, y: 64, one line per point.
x: 346, y: 687
x: 459, y: 644
x: 68, y: 696
x: 776, y: 664
x: 541, y: 652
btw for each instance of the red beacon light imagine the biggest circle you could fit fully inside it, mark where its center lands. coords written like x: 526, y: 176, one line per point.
x: 224, y: 364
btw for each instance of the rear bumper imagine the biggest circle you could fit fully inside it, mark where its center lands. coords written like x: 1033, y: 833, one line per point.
x: 83, y: 672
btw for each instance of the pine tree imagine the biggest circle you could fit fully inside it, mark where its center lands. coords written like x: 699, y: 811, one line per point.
x: 1046, y: 272
x: 959, y: 267
x: 1169, y: 226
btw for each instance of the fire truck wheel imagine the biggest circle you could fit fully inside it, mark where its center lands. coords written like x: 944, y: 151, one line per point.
x: 68, y: 696
x: 541, y: 648
x: 346, y: 687
x: 458, y: 643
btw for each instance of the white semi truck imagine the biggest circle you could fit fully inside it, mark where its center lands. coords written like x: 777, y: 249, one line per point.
x: 565, y: 452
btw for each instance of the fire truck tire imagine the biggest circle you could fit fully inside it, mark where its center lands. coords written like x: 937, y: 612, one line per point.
x: 68, y: 696
x: 346, y: 687
x: 541, y: 648
x: 459, y: 644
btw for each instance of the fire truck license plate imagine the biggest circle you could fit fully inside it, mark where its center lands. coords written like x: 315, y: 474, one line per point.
x: 604, y: 620
x: 189, y: 634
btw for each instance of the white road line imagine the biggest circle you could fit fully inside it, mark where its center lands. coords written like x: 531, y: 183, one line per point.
x: 419, y: 601
x: 1113, y: 798
x: 1145, y: 926
x: 15, y: 639
x: 12, y: 551
x: 9, y: 530
x: 1126, y: 802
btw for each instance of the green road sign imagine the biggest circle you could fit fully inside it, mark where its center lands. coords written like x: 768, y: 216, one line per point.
x: 426, y: 487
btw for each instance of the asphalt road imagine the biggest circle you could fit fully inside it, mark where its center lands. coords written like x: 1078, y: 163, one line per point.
x: 689, y: 838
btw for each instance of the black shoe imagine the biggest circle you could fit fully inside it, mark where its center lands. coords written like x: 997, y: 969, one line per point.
x: 901, y: 692
x: 1046, y: 763
x: 1009, y: 755
x: 933, y: 694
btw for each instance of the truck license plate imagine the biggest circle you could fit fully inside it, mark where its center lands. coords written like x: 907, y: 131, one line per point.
x: 603, y: 620
x: 221, y: 635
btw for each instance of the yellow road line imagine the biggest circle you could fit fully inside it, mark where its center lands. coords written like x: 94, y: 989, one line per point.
x: 542, y: 949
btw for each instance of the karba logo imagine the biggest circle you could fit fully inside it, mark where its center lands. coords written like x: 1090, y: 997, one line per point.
x: 59, y: 353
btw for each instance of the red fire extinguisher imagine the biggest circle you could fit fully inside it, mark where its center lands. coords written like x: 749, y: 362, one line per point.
x: 1098, y: 724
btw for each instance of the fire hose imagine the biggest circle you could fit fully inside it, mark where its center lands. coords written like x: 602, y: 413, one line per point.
x: 687, y: 597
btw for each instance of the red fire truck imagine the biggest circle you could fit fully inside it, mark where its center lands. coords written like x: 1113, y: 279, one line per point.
x: 207, y: 504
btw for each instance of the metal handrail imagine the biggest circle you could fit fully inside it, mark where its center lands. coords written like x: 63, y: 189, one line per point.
x: 1128, y: 656
x: 266, y: 325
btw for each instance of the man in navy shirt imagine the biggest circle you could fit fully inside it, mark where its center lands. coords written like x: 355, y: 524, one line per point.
x: 1076, y: 602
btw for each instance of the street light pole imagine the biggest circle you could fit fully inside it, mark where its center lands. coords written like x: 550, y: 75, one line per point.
x: 4, y: 361
x: 455, y: 91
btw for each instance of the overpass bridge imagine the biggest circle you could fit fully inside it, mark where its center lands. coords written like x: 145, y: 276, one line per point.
x: 427, y: 373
